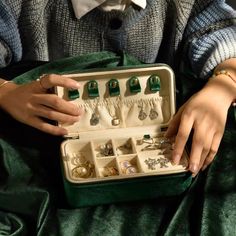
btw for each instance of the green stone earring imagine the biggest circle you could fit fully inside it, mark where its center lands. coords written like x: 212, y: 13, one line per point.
x: 114, y: 89
x: 154, y: 83
x: 134, y: 85
x: 92, y: 87
x: 73, y: 94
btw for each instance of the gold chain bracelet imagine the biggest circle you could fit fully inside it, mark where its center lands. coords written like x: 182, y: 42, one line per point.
x: 223, y: 72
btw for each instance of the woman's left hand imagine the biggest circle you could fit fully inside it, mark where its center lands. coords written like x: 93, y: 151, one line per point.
x: 205, y: 114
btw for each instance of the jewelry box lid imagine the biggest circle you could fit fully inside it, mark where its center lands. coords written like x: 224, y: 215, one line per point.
x: 123, y: 100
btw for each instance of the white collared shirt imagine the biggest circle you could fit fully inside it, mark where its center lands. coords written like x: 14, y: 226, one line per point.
x: 82, y: 7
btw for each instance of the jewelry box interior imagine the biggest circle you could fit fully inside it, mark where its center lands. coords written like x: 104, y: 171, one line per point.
x: 121, y: 133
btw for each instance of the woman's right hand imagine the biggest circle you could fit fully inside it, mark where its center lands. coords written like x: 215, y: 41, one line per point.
x: 31, y: 103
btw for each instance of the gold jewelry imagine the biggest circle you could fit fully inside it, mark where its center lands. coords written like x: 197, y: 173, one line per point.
x: 131, y: 170
x: 77, y: 159
x: 5, y: 82
x: 83, y: 170
x: 40, y: 80
x: 128, y: 168
x: 223, y: 72
x: 115, y: 121
x: 110, y: 171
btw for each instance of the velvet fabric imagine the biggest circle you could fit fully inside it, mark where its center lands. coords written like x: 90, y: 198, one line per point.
x: 32, y: 200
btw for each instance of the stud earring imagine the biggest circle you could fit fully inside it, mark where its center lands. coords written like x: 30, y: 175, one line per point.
x: 92, y: 87
x: 154, y: 83
x: 114, y: 88
x: 73, y: 94
x: 134, y: 85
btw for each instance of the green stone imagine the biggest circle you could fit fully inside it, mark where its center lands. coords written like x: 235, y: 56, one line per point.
x: 73, y: 94
x: 134, y: 85
x: 114, y: 88
x: 92, y: 87
x: 154, y: 83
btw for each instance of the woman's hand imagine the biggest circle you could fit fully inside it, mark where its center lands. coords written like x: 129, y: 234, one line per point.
x: 31, y: 104
x: 205, y: 114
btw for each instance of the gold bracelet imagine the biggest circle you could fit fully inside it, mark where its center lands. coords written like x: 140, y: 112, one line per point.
x: 224, y: 72
x: 4, y: 83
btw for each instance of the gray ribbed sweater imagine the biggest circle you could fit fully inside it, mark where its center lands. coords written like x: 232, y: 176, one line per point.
x: 48, y: 30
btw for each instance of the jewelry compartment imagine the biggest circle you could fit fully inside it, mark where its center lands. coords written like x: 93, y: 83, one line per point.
x: 119, y: 158
x: 143, y: 97
x: 120, y: 137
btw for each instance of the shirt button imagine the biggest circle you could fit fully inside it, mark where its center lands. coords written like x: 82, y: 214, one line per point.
x: 115, y: 23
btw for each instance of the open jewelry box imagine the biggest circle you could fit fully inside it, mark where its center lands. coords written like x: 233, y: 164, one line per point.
x: 117, y: 152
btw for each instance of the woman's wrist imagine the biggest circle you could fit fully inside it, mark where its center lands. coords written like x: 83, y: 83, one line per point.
x: 226, y: 74
x: 5, y: 87
x: 223, y: 87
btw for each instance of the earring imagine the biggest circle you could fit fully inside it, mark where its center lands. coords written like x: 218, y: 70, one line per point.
x: 115, y: 121
x: 110, y: 171
x: 73, y: 94
x: 142, y: 115
x: 154, y: 83
x: 114, y: 89
x: 153, y: 162
x: 153, y: 113
x: 94, y: 120
x: 134, y: 85
x: 92, y: 87
x: 83, y: 170
x: 105, y: 150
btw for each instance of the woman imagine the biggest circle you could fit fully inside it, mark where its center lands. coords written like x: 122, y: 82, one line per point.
x: 149, y: 30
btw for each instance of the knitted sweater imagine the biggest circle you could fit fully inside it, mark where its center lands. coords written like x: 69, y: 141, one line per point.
x: 48, y: 30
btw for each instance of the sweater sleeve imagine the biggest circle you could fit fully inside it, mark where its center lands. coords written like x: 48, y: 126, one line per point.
x: 10, y: 43
x: 211, y: 34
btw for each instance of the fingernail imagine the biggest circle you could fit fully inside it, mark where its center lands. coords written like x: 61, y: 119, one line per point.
x: 194, y: 175
x: 204, y: 167
x: 64, y: 132
x: 193, y: 168
x: 175, y: 159
x: 76, y: 85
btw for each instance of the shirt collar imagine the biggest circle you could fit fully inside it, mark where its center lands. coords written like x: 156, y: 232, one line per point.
x: 82, y: 7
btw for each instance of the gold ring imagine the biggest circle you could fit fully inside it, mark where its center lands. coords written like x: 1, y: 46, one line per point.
x: 40, y: 79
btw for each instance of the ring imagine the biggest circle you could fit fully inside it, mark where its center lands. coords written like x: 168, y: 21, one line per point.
x: 40, y: 79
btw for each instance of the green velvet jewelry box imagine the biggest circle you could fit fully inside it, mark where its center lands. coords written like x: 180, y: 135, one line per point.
x: 117, y: 152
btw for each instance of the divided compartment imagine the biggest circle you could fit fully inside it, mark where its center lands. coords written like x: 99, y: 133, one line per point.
x: 79, y: 159
x: 124, y: 146
x: 156, y: 143
x: 129, y: 165
x: 155, y: 162
x: 103, y: 148
x: 107, y: 167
